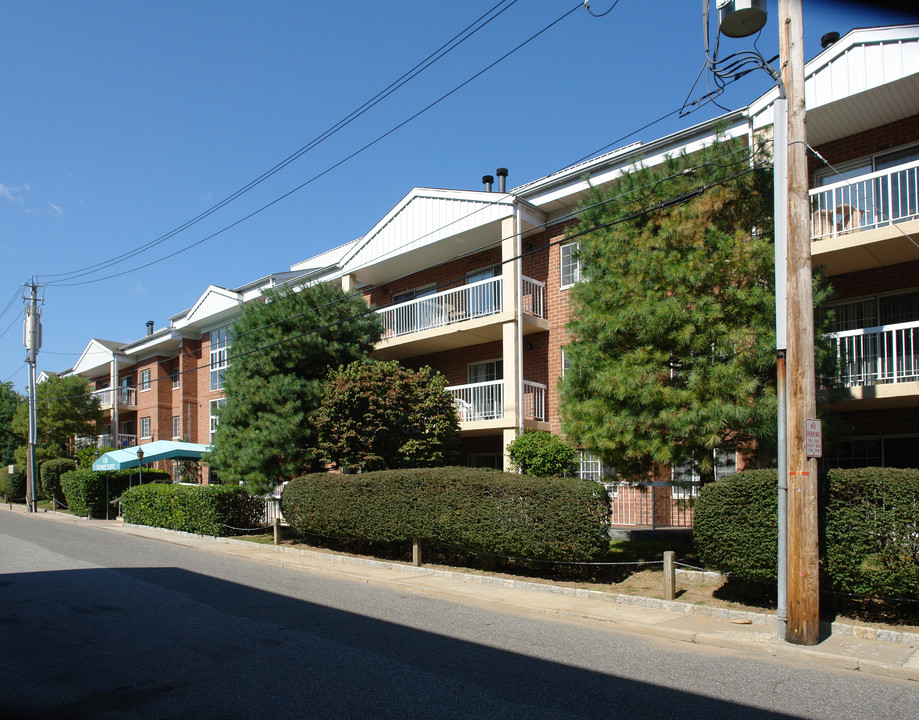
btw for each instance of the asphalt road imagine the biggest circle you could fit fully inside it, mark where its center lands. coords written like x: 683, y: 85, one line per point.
x: 101, y: 624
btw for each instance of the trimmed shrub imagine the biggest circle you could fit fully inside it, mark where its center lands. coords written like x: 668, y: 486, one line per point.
x: 13, y: 484
x: 51, y: 471
x: 479, y: 509
x: 537, y: 452
x: 215, y: 510
x: 872, y: 531
x: 85, y: 493
x: 735, y: 525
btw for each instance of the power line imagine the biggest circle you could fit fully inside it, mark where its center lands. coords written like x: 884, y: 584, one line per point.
x: 664, y: 204
x: 330, y: 168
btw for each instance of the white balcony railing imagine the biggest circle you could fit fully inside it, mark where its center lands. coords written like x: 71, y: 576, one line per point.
x: 126, y: 396
x: 107, y: 441
x: 534, y: 297
x: 888, y: 354
x: 479, y: 401
x: 478, y: 299
x: 534, y: 401
x: 485, y: 401
x: 866, y: 202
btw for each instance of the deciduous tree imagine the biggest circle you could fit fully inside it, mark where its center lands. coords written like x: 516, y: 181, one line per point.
x: 65, y: 410
x: 382, y: 416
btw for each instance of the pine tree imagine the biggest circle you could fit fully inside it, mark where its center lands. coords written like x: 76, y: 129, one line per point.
x: 673, y: 333
x: 281, y: 350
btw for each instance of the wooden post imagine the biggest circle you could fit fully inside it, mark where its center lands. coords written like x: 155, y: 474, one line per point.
x: 277, y: 531
x: 803, y: 588
x: 669, y: 575
x: 416, y: 552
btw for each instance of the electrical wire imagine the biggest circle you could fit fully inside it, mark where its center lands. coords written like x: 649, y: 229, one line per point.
x: 441, y: 52
x: 566, y: 238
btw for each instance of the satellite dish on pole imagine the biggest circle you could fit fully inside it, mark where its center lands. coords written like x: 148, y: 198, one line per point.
x: 741, y: 18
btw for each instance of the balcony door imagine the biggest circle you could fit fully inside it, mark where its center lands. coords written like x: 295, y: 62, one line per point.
x: 488, y: 395
x: 483, y: 300
x: 417, y: 316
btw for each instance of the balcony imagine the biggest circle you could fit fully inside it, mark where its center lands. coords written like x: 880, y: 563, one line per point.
x: 485, y: 401
x: 127, y: 397
x: 107, y: 441
x: 878, y: 355
x: 436, y: 315
x: 865, y: 203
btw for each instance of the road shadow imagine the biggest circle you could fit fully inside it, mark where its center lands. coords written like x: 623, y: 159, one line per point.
x: 163, y: 642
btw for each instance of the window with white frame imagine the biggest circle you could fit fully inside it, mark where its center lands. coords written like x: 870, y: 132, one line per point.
x: 590, y: 467
x: 144, y: 383
x: 146, y: 427
x: 176, y: 427
x: 215, y: 412
x: 686, y: 478
x: 570, y: 265
x: 566, y: 362
x: 220, y: 345
x: 176, y: 378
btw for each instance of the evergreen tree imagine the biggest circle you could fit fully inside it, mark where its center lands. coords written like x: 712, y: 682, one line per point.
x: 382, y: 416
x: 281, y: 350
x: 673, y: 332
x: 65, y: 410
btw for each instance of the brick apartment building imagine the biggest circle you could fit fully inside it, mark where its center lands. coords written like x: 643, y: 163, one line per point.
x: 474, y: 282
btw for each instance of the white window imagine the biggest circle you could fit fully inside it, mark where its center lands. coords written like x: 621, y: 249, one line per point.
x: 590, y: 467
x: 145, y: 427
x: 484, y: 299
x: 176, y: 427
x: 220, y: 344
x: 144, y: 380
x: 686, y: 477
x: 176, y: 381
x: 486, y: 371
x: 215, y: 411
x: 566, y: 362
x: 570, y: 265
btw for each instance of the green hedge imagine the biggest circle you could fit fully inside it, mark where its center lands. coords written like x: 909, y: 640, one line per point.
x: 86, y: 492
x: 203, y: 509
x: 735, y: 525
x: 13, y: 485
x: 50, y: 472
x: 872, y: 532
x: 478, y: 509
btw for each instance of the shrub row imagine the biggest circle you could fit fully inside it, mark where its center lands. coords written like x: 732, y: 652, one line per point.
x: 203, y: 509
x: 870, y: 529
x: 13, y: 484
x: 478, y: 509
x: 51, y: 472
x: 87, y: 493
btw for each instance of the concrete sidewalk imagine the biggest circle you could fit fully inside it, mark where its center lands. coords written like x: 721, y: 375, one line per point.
x: 887, y: 653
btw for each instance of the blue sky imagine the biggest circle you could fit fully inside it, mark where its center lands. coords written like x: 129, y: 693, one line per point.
x: 124, y: 120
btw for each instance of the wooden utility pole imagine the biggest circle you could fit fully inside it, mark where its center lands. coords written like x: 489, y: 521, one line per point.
x: 803, y: 578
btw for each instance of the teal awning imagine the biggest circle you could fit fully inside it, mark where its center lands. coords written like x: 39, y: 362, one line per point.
x: 156, y: 450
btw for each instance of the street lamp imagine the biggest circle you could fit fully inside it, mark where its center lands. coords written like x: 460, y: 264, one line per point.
x: 140, y: 466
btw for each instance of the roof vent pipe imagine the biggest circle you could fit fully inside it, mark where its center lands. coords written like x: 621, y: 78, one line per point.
x: 487, y: 181
x: 149, y: 327
x: 828, y: 39
x: 502, y: 179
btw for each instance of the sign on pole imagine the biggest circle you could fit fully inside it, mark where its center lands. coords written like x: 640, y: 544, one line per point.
x: 813, y: 438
